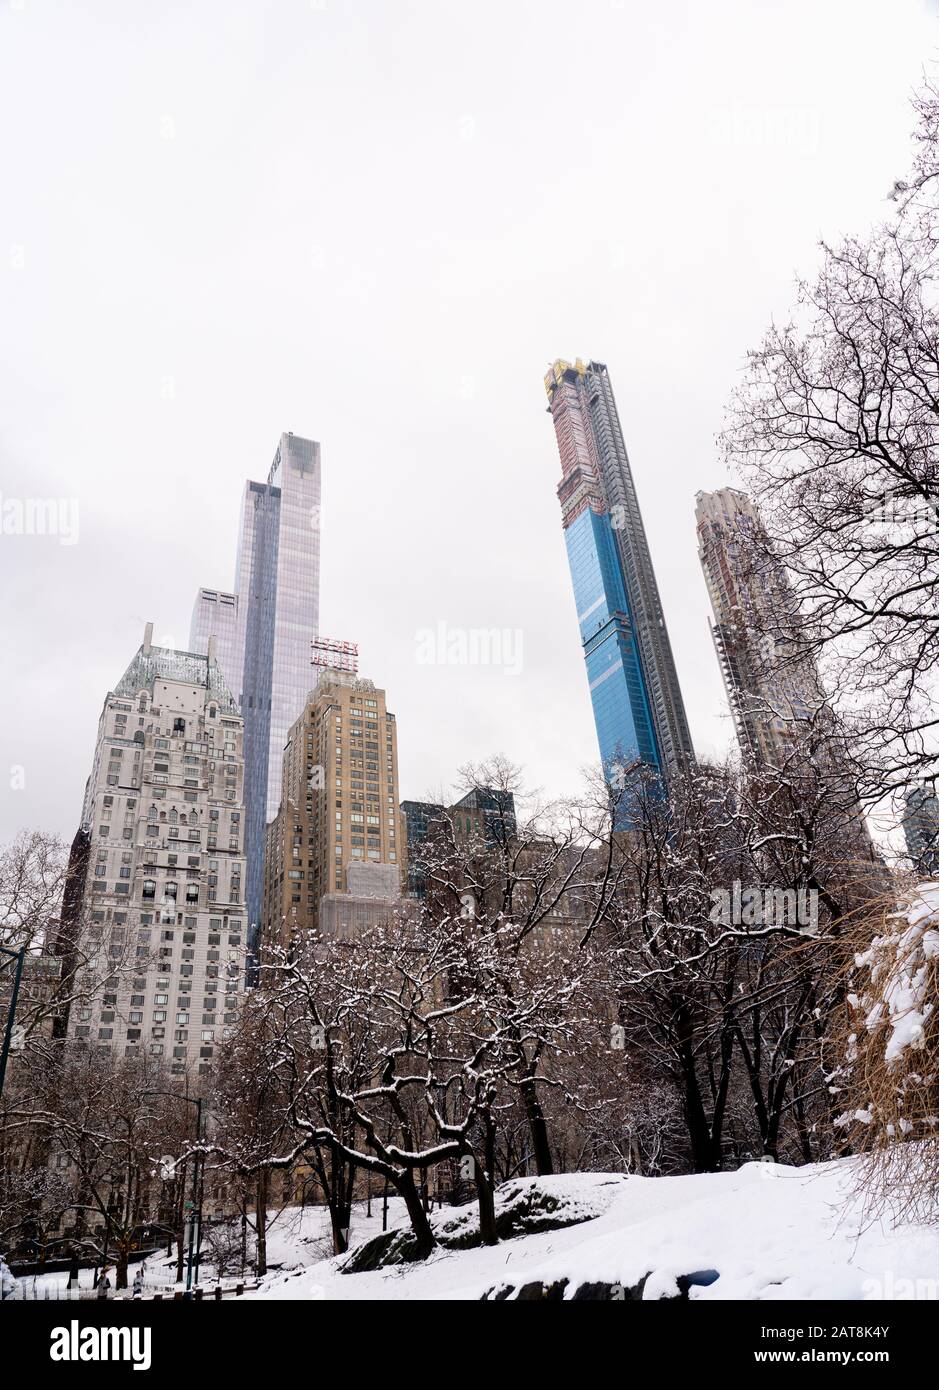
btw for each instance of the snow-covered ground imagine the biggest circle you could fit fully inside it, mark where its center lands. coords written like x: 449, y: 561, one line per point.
x: 770, y: 1232
x: 295, y: 1237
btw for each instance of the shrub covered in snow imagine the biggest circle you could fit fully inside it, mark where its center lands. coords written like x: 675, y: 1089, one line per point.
x: 892, y: 1055
x: 8, y: 1285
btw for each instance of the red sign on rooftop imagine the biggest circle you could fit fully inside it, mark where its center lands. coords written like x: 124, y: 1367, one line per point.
x: 338, y: 656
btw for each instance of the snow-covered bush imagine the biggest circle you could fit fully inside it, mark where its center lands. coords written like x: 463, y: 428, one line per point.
x: 892, y: 1055
x: 8, y: 1285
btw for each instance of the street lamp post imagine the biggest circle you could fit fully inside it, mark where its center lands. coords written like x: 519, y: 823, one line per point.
x: 200, y: 1164
x: 19, y: 956
x: 194, y: 1250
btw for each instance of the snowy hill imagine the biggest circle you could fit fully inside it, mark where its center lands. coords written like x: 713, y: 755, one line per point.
x: 767, y: 1231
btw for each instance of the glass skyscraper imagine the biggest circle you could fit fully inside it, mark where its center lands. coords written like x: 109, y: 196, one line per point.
x: 264, y: 629
x: 921, y: 828
x: 637, y: 704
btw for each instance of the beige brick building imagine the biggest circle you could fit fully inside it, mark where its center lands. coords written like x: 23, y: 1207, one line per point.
x: 338, y: 834
x: 164, y: 889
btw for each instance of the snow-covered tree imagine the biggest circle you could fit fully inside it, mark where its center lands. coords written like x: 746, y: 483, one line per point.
x: 835, y: 429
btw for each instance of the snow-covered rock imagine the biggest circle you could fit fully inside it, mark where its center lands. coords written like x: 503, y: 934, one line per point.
x: 524, y: 1206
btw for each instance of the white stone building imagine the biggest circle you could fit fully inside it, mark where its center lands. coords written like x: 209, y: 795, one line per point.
x: 165, y: 887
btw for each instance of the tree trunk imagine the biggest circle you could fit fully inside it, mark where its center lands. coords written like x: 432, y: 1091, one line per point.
x: 418, y: 1216
x: 486, y: 1185
x: 544, y: 1164
x: 805, y: 1139
x: 485, y: 1191
x: 339, y: 1225
x: 339, y: 1191
x: 181, y: 1228
x: 340, y: 1214
x: 486, y: 1201
x: 705, y: 1139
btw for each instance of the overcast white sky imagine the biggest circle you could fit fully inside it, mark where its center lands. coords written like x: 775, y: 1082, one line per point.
x: 375, y: 224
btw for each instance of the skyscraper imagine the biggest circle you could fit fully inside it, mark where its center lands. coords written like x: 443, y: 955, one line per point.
x: 160, y: 881
x: 336, y: 849
x: 772, y: 689
x: 921, y: 828
x: 637, y: 703
x: 264, y: 628
x: 783, y: 717
x: 487, y: 812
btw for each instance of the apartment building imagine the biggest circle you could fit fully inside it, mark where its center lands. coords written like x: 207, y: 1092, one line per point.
x: 484, y: 812
x: 338, y: 832
x: 164, y: 888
